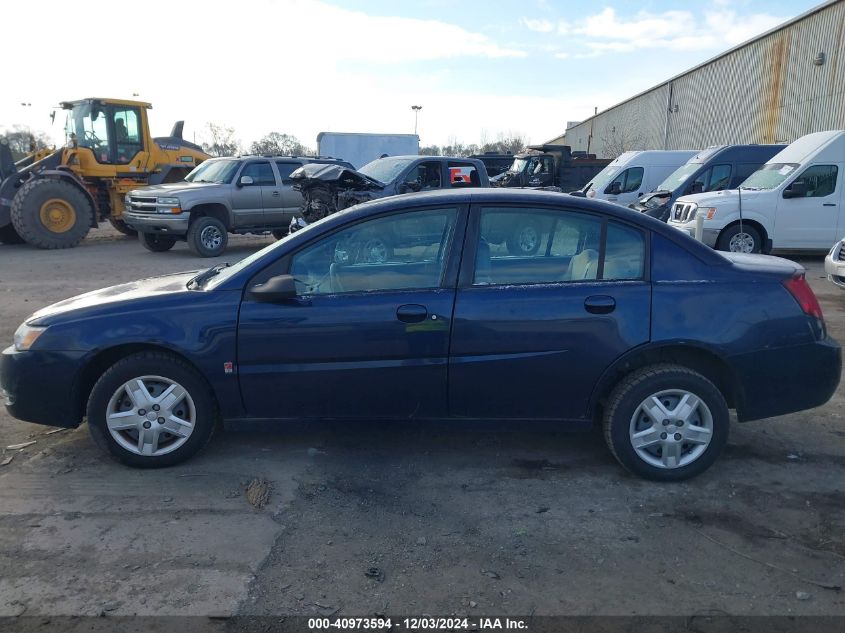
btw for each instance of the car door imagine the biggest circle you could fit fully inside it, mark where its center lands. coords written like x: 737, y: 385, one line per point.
x: 291, y: 199
x: 368, y: 334
x: 248, y: 193
x: 533, y: 333
x: 810, y: 218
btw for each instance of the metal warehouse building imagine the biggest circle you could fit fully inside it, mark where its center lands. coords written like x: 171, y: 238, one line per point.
x: 781, y: 85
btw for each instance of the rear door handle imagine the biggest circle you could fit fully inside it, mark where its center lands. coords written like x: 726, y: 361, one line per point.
x: 600, y: 304
x: 411, y: 313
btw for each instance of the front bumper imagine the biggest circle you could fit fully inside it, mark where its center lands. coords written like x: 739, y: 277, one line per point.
x: 39, y: 386
x: 158, y: 222
x: 834, y: 268
x: 789, y: 379
x: 708, y: 237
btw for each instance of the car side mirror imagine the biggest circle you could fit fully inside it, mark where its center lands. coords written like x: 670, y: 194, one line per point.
x: 798, y: 189
x: 275, y: 289
x: 614, y: 188
x: 245, y: 180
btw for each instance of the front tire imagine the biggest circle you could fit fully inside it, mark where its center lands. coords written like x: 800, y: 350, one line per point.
x: 666, y: 423
x: 734, y: 240
x: 207, y: 237
x: 121, y: 227
x: 51, y: 213
x: 155, y: 242
x: 151, y: 410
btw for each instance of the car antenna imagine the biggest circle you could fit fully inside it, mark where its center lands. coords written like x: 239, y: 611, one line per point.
x: 739, y: 193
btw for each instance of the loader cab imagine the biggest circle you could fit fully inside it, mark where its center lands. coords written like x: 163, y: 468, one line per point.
x: 113, y: 131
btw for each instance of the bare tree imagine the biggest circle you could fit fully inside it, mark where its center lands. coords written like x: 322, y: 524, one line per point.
x: 280, y: 145
x: 23, y: 140
x: 222, y: 141
x: 620, y: 139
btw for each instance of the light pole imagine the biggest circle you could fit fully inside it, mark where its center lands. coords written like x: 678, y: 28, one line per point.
x: 416, y: 110
x: 26, y: 104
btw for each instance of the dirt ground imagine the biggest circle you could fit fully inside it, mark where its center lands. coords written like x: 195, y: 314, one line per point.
x: 360, y: 519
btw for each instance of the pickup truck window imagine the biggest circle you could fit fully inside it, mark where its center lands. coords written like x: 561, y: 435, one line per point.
x: 425, y: 176
x: 385, y: 170
x: 216, y: 171
x: 463, y: 175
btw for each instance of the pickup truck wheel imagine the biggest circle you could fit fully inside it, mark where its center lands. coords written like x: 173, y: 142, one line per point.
x: 155, y: 242
x: 666, y: 423
x: 525, y: 239
x: 121, y: 227
x: 734, y: 240
x: 151, y: 409
x: 8, y: 235
x: 207, y: 237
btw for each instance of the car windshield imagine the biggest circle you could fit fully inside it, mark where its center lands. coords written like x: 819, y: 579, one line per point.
x: 603, y: 177
x: 219, y: 171
x: 678, y: 177
x: 769, y: 176
x: 519, y: 165
x: 385, y: 170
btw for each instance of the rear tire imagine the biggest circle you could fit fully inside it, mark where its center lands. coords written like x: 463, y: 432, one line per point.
x: 121, y: 227
x: 51, y: 213
x: 207, y: 237
x: 733, y: 240
x: 666, y: 423
x: 115, y: 403
x: 8, y: 235
x: 155, y: 242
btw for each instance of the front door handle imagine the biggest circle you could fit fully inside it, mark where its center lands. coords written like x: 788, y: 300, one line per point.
x: 600, y: 304
x: 411, y: 313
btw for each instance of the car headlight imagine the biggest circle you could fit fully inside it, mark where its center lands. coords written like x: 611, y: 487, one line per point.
x: 707, y: 212
x: 26, y: 335
x: 172, y: 202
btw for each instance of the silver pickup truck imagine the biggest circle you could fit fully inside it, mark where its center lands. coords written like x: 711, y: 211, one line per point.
x: 247, y: 194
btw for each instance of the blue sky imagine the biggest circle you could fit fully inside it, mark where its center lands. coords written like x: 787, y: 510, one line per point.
x: 478, y: 68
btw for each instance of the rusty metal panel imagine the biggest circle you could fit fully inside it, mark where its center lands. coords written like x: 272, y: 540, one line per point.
x: 768, y: 90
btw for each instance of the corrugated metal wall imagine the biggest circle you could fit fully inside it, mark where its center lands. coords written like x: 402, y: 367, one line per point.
x: 766, y: 91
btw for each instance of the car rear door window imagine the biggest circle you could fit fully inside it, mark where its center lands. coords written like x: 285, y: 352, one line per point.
x: 286, y: 169
x: 398, y: 252
x: 624, y: 253
x: 260, y: 172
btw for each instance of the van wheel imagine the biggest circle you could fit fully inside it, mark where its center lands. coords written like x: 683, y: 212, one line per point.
x: 734, y: 240
x: 155, y: 242
x: 151, y: 409
x: 207, y: 237
x: 525, y: 239
x: 666, y: 423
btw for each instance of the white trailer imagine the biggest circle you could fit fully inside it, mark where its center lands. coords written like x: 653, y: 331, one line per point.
x: 361, y: 148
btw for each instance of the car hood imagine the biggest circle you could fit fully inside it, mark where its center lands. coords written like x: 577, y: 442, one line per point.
x: 715, y: 198
x: 174, y: 188
x: 342, y: 177
x: 141, y: 289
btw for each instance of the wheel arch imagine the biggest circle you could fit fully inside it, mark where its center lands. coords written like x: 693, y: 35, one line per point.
x: 101, y: 360
x: 764, y: 233
x: 216, y: 210
x: 698, y: 358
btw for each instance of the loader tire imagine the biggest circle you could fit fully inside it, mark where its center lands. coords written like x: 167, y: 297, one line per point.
x: 8, y: 235
x: 50, y: 213
x: 121, y: 227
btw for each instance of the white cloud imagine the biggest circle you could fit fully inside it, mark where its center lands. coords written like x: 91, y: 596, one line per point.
x: 539, y: 25
x: 606, y: 32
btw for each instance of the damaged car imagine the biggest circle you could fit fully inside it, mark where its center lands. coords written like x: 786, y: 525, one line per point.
x: 327, y: 189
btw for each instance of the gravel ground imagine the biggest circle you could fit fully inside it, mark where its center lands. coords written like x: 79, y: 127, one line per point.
x: 358, y: 519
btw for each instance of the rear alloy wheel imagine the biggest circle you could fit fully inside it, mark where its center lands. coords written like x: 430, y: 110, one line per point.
x: 736, y: 240
x: 666, y: 423
x: 207, y: 237
x: 525, y: 240
x: 155, y: 242
x: 151, y: 409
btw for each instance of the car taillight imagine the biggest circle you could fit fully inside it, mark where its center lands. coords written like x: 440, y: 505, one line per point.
x: 803, y: 294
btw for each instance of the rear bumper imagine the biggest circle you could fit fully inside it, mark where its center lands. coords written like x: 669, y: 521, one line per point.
x: 786, y: 380
x: 835, y: 269
x: 158, y: 223
x: 38, y: 386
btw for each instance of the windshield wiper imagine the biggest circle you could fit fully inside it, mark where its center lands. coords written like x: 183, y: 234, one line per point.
x: 204, y: 276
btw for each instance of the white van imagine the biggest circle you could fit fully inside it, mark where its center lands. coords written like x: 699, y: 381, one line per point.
x: 632, y: 174
x: 793, y: 202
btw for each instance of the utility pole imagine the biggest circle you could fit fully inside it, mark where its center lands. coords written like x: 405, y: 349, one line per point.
x: 416, y: 109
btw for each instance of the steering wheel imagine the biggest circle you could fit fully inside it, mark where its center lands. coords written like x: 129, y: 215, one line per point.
x: 90, y: 136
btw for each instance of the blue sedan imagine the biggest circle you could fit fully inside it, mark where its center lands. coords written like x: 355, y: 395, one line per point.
x: 473, y: 304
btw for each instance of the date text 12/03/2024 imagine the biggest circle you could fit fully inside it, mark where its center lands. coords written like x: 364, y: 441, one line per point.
x: 417, y: 624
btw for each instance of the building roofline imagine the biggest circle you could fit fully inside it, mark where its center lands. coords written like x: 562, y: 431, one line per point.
x: 824, y: 5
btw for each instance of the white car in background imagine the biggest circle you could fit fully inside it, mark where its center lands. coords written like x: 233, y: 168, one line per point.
x: 834, y: 264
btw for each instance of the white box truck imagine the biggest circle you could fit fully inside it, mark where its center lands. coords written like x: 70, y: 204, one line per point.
x: 360, y: 148
x: 794, y: 201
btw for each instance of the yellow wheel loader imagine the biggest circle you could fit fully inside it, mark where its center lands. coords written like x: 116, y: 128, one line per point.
x: 52, y: 200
